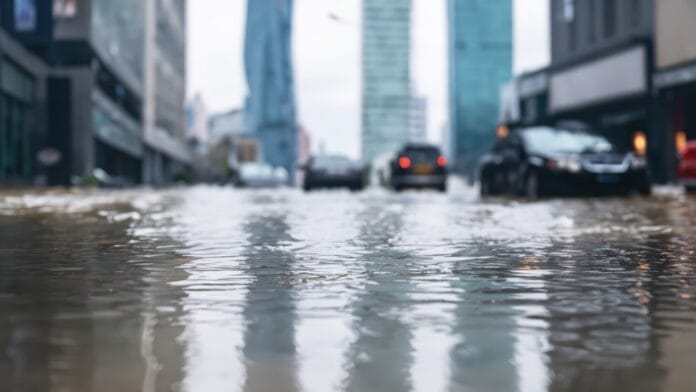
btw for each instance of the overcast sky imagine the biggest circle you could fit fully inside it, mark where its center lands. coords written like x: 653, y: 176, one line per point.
x: 327, y: 60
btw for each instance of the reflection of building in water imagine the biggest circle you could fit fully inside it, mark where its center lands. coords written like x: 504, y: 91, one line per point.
x: 485, y: 324
x: 380, y: 356
x: 82, y: 322
x: 270, y: 351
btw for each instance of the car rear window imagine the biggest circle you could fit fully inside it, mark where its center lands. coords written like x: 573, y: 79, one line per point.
x: 422, y: 153
x: 554, y: 140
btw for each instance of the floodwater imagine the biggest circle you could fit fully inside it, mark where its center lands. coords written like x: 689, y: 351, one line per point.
x: 212, y: 289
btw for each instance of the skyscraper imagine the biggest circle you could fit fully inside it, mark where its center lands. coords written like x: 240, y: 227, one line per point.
x: 480, y: 61
x: 386, y: 76
x: 270, y: 106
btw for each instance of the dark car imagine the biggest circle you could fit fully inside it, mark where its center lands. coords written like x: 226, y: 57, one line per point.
x: 418, y: 166
x: 544, y: 161
x: 334, y: 171
x: 687, y: 167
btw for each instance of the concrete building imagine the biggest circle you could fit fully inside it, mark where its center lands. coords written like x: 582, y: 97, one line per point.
x: 418, y: 122
x: 164, y: 117
x: 480, y: 61
x: 197, y: 121
x: 601, y: 70
x: 103, y: 58
x: 270, y: 106
x: 227, y: 124
x: 386, y: 76
x: 23, y: 125
x: 674, y: 79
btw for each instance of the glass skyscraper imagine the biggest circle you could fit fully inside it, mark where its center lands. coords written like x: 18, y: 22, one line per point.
x: 270, y: 106
x: 386, y: 77
x: 480, y: 61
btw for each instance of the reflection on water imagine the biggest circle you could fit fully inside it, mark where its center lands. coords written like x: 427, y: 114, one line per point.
x: 216, y: 289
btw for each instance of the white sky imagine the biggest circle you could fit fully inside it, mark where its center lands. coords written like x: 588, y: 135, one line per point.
x: 327, y: 61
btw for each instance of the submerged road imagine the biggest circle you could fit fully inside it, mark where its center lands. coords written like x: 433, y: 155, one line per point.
x: 211, y: 289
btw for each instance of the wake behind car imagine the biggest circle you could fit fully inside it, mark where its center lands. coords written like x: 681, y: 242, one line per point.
x: 334, y: 171
x: 418, y: 166
x: 687, y: 167
x: 545, y: 161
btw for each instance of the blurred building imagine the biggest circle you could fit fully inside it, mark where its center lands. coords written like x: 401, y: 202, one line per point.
x: 164, y: 116
x: 675, y: 75
x: 23, y: 126
x: 601, y: 70
x: 270, y: 107
x: 600, y: 59
x: 230, y: 143
x: 197, y: 121
x: 386, y: 76
x: 480, y: 60
x: 100, y: 82
x: 418, y: 122
x: 304, y: 145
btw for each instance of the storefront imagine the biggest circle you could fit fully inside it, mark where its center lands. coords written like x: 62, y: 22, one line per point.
x: 21, y: 130
x: 675, y: 75
x: 609, y: 93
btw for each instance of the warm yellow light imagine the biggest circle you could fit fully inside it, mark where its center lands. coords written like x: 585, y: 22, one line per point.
x: 640, y: 143
x: 502, y: 132
x: 680, y: 141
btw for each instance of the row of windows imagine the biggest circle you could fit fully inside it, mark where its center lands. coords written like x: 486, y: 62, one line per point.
x: 598, y: 19
x: 15, y: 130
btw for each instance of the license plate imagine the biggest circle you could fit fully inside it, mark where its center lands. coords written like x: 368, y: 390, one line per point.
x: 608, y: 178
x: 422, y: 169
x: 337, y: 172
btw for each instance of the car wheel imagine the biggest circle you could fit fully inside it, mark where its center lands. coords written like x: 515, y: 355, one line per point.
x: 442, y: 188
x: 532, y: 186
x: 645, y: 189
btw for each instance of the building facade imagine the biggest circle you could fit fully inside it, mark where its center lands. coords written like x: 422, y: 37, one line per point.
x: 386, y: 76
x: 675, y: 76
x: 602, y: 62
x: 22, y: 110
x: 164, y: 117
x: 418, y: 123
x: 270, y: 107
x: 99, y: 87
x: 480, y: 61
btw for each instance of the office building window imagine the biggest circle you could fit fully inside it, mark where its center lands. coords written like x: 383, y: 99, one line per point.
x: 591, y: 21
x: 635, y: 13
x: 609, y: 18
x: 568, y: 10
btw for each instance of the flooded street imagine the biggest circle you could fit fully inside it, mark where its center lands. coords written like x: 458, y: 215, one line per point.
x: 211, y: 289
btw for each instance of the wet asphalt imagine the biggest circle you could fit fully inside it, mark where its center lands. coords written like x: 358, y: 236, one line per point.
x: 214, y: 288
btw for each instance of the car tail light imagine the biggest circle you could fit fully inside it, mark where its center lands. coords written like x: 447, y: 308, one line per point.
x: 405, y: 162
x: 640, y: 143
x: 442, y: 161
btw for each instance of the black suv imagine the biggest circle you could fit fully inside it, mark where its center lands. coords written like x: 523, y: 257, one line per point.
x: 419, y: 166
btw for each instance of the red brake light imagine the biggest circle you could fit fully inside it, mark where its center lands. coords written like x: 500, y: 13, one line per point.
x: 404, y: 162
x: 442, y: 161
